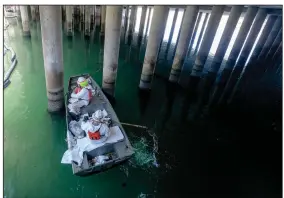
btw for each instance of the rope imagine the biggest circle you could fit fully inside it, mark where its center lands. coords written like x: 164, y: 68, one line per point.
x: 134, y: 125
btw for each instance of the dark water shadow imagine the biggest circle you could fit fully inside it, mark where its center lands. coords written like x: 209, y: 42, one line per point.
x: 144, y: 98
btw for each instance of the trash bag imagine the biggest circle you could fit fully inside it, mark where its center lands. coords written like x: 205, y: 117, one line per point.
x: 104, y: 113
x: 104, y: 130
x: 75, y: 155
x: 88, y: 126
x: 101, y: 159
x: 76, y: 129
x: 73, y: 100
x: 75, y: 107
x: 67, y: 157
x: 98, y: 115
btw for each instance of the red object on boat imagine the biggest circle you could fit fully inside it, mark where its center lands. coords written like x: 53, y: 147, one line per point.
x: 78, y: 89
x: 94, y: 135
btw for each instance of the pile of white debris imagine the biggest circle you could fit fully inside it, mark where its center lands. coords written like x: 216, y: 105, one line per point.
x: 89, y: 133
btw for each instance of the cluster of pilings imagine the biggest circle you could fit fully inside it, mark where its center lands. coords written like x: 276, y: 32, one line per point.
x: 248, y: 53
x: 83, y: 18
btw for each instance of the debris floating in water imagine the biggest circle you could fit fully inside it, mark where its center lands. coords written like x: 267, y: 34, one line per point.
x: 155, y: 147
x: 144, y: 156
x: 124, y: 169
x: 142, y: 195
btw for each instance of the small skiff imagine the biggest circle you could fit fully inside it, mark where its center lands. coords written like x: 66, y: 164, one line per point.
x: 117, y: 147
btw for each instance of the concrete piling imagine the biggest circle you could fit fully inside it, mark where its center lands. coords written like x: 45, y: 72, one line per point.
x: 259, y: 19
x: 18, y: 12
x: 82, y: 17
x: 92, y: 18
x: 51, y: 23
x: 237, y: 46
x: 183, y: 42
x: 111, y: 48
x: 274, y: 46
x: 98, y: 16
x: 268, y: 63
x: 171, y: 33
x: 103, y: 18
x: 251, y: 65
x: 69, y: 20
x: 25, y: 21
x: 197, y: 23
x: 209, y: 79
x: 63, y: 11
x: 246, y: 25
x: 148, y: 21
x: 141, y: 25
x: 37, y: 12
x: 267, y: 45
x: 225, y: 40
x: 87, y: 27
x: 126, y: 21
x: 207, y: 41
x: 126, y: 18
x: 132, y: 21
x: 76, y: 18
x: 160, y: 46
x: 196, y: 72
x: 155, y: 37
x: 33, y: 12
x: 278, y: 52
x: 272, y: 35
x: 276, y: 58
x: 201, y: 33
x: 175, y: 48
x: 240, y: 64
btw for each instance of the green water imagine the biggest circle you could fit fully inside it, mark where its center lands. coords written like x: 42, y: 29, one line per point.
x: 34, y: 141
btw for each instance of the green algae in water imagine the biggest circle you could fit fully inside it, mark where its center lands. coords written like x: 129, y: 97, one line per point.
x: 145, y: 153
x: 143, y: 156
